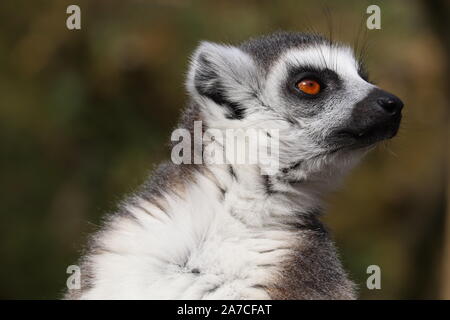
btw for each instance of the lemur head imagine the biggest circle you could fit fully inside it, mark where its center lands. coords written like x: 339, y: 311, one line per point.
x: 314, y: 91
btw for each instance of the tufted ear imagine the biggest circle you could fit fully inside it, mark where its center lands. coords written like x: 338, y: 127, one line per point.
x: 224, y: 74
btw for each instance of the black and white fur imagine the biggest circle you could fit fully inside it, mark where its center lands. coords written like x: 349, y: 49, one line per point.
x: 226, y: 231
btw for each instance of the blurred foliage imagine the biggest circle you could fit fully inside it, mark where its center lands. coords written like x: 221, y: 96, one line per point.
x: 86, y: 114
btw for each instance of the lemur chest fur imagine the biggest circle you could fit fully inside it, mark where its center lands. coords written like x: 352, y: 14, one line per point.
x: 209, y: 243
x: 213, y: 240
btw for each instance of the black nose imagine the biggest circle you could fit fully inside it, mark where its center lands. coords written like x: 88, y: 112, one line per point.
x: 390, y: 103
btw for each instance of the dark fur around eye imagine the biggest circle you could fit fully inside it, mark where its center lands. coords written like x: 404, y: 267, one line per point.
x: 327, y: 79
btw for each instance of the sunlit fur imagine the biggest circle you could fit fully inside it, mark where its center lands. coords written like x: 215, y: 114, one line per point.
x: 226, y: 231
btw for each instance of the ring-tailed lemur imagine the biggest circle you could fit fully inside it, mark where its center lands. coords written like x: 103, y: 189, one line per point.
x: 225, y: 231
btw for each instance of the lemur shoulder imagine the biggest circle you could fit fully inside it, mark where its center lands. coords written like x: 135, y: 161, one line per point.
x: 226, y: 231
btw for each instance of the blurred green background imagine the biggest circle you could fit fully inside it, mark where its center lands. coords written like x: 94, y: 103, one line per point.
x: 84, y: 115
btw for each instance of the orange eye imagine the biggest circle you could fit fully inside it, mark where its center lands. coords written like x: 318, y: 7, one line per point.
x: 309, y: 86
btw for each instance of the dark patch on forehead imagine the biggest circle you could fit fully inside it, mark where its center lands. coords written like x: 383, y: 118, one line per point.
x: 266, y: 49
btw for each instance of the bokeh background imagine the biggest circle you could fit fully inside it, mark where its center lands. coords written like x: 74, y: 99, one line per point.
x: 84, y: 116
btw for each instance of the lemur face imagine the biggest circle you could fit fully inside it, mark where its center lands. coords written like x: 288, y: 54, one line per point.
x: 327, y: 91
x: 315, y: 90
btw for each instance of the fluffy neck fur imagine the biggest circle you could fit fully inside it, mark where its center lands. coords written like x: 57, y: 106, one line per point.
x: 217, y: 232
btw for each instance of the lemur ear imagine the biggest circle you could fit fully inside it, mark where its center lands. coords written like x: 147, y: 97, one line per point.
x: 223, y: 74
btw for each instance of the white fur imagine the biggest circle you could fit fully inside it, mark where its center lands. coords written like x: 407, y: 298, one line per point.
x: 147, y: 259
